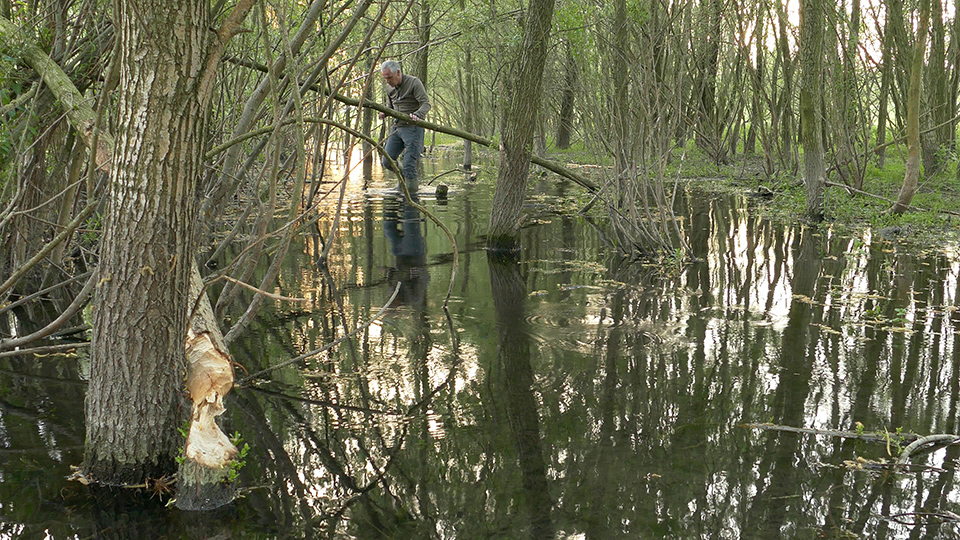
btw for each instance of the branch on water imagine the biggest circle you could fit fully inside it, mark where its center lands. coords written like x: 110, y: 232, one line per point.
x: 942, y: 439
x: 869, y: 436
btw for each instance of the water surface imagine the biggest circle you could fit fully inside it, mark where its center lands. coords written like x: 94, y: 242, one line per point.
x: 566, y: 394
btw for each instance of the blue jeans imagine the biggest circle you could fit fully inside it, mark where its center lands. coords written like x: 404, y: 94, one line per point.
x: 409, y: 141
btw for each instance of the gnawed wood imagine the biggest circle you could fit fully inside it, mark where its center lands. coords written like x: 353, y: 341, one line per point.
x: 209, y: 378
x: 204, y: 479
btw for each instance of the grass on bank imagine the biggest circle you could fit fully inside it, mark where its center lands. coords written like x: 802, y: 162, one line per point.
x: 930, y: 220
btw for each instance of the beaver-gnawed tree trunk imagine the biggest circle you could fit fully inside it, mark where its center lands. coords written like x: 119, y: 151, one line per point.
x: 134, y: 402
x: 520, y: 121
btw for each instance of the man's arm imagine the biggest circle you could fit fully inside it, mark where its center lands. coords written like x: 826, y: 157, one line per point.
x: 420, y: 93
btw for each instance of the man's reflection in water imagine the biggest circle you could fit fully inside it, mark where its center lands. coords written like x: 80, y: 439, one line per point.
x: 402, y: 225
x: 403, y: 229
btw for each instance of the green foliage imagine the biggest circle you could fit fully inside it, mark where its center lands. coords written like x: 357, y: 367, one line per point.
x: 184, y: 430
x: 848, y: 209
x: 239, y: 461
x: 90, y: 232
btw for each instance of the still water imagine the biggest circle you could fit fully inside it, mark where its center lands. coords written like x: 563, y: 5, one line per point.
x: 567, y: 394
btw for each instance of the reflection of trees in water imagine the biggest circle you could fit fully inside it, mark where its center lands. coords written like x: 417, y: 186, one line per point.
x: 634, y: 433
x: 511, y: 379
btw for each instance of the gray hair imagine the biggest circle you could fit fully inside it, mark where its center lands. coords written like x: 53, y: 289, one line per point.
x: 390, y: 66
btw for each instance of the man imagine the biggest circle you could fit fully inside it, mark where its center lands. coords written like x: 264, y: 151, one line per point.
x: 405, y: 95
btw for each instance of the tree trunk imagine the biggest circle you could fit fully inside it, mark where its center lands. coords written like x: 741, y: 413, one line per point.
x: 937, y: 141
x: 811, y: 92
x: 367, y: 128
x: 886, y: 82
x: 567, y: 96
x: 783, y: 106
x: 709, y: 131
x: 848, y: 123
x: 519, y: 126
x: 134, y: 402
x: 422, y: 56
x: 911, y: 176
x: 469, y: 107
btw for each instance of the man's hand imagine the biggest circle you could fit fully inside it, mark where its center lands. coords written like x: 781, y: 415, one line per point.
x: 414, y: 117
x: 383, y: 115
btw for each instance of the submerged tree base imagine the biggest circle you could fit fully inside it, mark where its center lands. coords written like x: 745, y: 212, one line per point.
x: 503, y: 246
x: 201, y: 488
x: 110, y: 473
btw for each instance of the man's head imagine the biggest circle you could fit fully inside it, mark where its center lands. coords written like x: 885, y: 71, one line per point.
x: 391, y: 72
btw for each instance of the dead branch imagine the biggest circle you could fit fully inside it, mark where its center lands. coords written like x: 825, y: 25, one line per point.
x: 72, y: 309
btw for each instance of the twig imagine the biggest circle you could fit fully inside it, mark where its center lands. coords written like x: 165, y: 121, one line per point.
x: 71, y: 310
x: 944, y: 517
x: 67, y: 231
x: 262, y: 292
x: 42, y: 292
x: 47, y: 349
x: 845, y: 434
x: 328, y: 346
x: 329, y: 404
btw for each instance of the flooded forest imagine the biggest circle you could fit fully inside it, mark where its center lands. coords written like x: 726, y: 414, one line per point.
x: 666, y: 269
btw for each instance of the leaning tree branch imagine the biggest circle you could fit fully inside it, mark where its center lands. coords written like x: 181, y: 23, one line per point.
x: 885, y: 199
x: 72, y: 309
x: 64, y: 234
x: 79, y: 112
x: 551, y: 166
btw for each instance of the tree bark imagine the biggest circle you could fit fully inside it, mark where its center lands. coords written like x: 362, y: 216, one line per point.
x: 469, y: 106
x: 567, y: 96
x: 709, y: 132
x: 811, y: 101
x: 911, y: 175
x: 137, y: 368
x: 938, y: 141
x: 519, y: 125
x: 783, y: 105
x: 421, y: 58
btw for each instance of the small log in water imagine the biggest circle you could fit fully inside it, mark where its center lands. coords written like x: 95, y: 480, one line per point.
x: 869, y: 436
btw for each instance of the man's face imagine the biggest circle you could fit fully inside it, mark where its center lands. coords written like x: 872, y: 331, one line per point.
x: 392, y: 78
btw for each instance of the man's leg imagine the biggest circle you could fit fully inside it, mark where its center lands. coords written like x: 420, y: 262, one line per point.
x: 392, y: 147
x: 413, y: 143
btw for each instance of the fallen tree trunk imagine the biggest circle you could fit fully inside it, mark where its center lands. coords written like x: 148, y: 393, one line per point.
x: 465, y: 135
